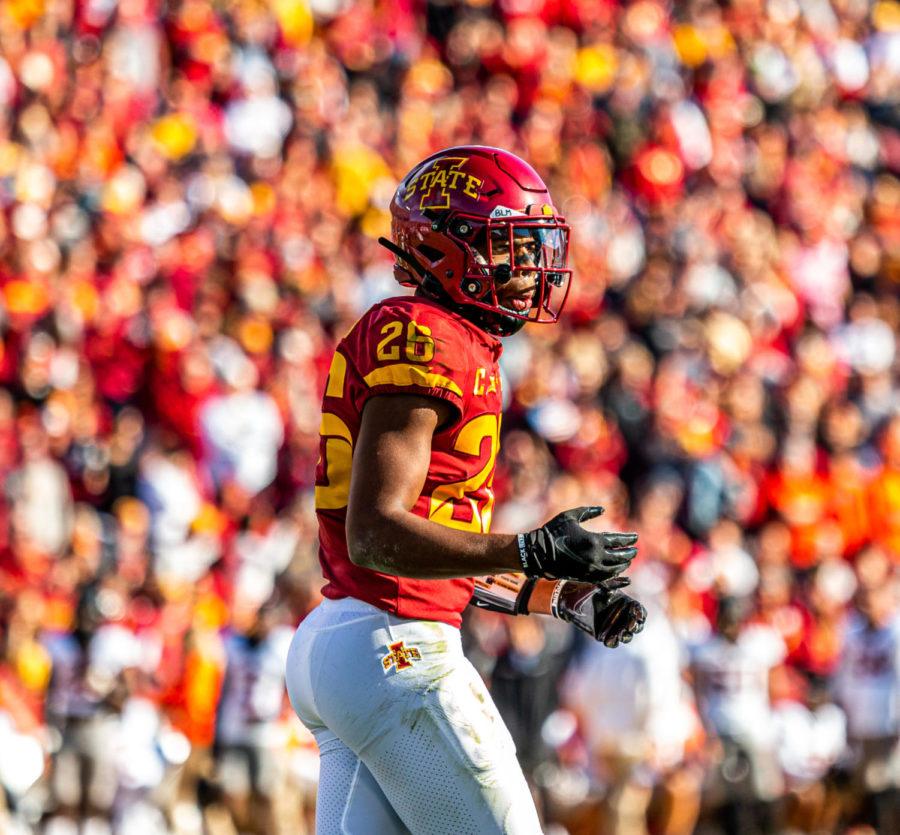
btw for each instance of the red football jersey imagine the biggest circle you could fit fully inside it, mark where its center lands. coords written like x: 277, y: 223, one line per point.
x: 411, y: 345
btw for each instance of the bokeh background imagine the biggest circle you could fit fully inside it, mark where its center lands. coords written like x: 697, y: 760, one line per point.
x: 191, y: 192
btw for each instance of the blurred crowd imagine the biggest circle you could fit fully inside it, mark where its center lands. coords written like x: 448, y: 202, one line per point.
x: 190, y: 197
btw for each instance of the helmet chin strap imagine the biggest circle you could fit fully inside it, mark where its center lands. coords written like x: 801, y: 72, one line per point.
x: 505, y: 325
x: 404, y: 256
x: 496, y: 324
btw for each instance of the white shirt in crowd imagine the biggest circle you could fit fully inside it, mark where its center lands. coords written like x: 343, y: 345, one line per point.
x: 733, y: 683
x: 242, y: 432
x: 42, y: 503
x: 634, y: 698
x: 868, y: 680
x: 169, y: 488
x: 809, y: 741
x: 253, y: 689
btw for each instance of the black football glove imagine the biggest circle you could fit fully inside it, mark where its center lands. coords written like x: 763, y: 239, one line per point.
x: 603, y: 611
x: 564, y: 550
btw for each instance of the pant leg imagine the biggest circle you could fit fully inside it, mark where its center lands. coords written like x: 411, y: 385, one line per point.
x: 448, y: 764
x: 349, y: 800
x: 424, y: 726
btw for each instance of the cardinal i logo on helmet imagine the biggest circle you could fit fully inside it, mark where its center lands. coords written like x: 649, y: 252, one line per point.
x: 435, y: 184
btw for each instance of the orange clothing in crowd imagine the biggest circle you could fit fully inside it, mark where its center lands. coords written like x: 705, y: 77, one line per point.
x: 803, y: 502
x: 885, y: 509
x: 849, y: 487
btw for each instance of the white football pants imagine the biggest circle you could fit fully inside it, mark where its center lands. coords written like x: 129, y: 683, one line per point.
x: 409, y: 738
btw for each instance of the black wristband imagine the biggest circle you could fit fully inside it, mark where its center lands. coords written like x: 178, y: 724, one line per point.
x: 523, y: 552
x: 525, y: 595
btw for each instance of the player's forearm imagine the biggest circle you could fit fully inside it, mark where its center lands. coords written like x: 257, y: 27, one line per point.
x: 601, y: 610
x: 511, y: 593
x: 406, y: 545
x: 539, y: 602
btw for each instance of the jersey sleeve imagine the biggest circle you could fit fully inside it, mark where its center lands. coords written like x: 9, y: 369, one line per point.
x: 410, y: 350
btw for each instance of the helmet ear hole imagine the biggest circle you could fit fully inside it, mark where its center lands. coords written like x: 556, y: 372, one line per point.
x: 433, y: 255
x: 462, y: 228
x: 473, y: 287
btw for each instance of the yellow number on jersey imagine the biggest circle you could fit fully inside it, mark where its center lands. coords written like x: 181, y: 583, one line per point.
x: 383, y: 352
x: 338, y: 451
x: 443, y: 499
x: 419, y: 344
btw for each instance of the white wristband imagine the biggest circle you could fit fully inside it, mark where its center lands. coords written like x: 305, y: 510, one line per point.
x: 554, y: 597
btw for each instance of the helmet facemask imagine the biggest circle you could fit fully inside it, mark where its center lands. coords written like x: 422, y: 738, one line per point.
x: 516, y: 267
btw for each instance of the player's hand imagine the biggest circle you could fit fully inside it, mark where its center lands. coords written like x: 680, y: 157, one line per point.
x: 564, y: 550
x: 604, y: 611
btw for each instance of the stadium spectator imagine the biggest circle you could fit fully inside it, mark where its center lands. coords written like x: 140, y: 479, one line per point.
x: 867, y: 684
x: 732, y: 673
x: 642, y: 731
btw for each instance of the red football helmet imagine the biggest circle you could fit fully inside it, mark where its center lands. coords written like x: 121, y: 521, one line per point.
x: 475, y: 228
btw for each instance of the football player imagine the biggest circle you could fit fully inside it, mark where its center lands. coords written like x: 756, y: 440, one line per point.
x: 409, y: 738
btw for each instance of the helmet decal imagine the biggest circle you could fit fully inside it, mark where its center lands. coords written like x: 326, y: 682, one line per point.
x: 504, y: 211
x: 434, y: 184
